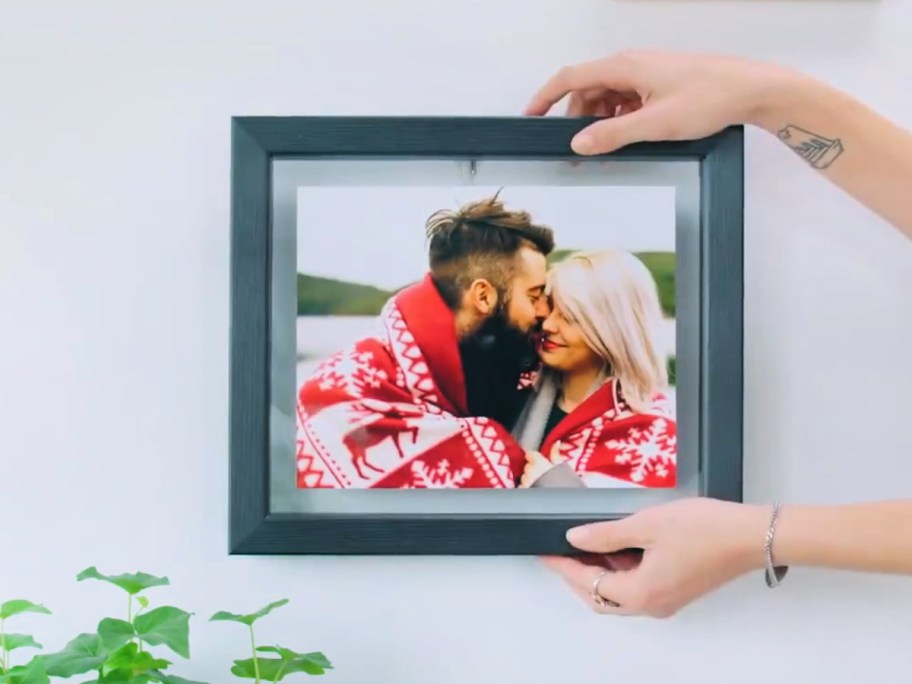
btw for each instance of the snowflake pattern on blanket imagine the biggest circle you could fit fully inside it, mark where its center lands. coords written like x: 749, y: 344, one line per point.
x: 609, y: 445
x: 390, y: 410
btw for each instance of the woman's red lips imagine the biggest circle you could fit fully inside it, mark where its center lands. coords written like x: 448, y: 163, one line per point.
x: 549, y: 345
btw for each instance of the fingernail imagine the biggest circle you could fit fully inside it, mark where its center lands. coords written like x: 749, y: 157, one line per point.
x: 576, y: 534
x: 582, y: 143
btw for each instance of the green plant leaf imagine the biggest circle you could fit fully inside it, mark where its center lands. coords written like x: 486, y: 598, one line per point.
x: 276, y: 669
x: 143, y: 601
x: 132, y: 583
x: 130, y: 659
x: 80, y: 655
x: 115, y: 633
x: 316, y: 657
x: 173, y: 679
x: 124, y: 677
x: 165, y: 625
x: 13, y: 641
x: 16, y: 606
x: 31, y: 673
x: 249, y: 618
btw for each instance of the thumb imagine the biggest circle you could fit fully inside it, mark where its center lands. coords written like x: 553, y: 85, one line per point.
x: 555, y: 455
x: 609, y: 134
x: 608, y: 536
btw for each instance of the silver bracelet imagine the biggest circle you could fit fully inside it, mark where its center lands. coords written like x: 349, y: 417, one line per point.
x: 774, y: 573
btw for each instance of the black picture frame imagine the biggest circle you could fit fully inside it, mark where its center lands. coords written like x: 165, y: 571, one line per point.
x: 257, y: 141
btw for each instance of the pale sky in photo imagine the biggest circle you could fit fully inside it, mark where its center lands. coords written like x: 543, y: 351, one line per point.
x: 375, y: 235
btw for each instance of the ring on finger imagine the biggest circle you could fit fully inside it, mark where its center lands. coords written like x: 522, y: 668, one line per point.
x: 600, y: 600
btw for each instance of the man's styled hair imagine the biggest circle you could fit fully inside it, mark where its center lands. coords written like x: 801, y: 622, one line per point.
x: 482, y: 239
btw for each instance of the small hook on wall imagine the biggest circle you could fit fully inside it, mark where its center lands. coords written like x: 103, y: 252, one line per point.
x: 468, y: 171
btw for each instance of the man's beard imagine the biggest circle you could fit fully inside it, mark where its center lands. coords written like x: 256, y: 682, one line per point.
x: 493, y: 357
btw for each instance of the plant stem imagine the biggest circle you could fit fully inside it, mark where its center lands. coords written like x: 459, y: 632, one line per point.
x: 4, y: 659
x: 256, y: 663
x: 130, y: 619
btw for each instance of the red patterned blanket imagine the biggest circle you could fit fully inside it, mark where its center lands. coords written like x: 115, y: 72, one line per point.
x: 390, y: 410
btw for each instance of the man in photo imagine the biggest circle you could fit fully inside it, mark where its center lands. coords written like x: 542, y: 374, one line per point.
x: 429, y: 399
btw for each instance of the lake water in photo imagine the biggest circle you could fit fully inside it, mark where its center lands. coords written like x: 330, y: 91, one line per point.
x: 320, y: 336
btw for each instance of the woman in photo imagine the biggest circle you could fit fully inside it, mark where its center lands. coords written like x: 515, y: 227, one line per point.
x: 599, y: 405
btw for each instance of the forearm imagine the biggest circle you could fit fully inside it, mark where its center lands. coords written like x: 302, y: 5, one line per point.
x: 872, y: 537
x: 856, y: 148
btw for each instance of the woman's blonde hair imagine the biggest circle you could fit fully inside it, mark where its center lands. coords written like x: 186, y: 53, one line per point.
x: 613, y: 298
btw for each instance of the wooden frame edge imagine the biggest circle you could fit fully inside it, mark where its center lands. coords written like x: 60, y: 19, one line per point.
x: 256, y: 141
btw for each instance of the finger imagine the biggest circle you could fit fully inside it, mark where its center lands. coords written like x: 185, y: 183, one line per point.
x: 537, y: 460
x: 555, y: 455
x: 646, y: 123
x: 628, y: 106
x: 609, y: 536
x: 594, y: 102
x: 527, y: 477
x: 535, y: 467
x: 577, y: 104
x: 617, y: 560
x: 605, y: 107
x: 605, y: 73
x: 623, y: 560
x: 603, y: 608
x: 586, y: 579
x: 551, y: 562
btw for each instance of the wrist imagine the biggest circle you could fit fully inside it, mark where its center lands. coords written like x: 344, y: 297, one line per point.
x: 778, y: 94
x: 749, y: 536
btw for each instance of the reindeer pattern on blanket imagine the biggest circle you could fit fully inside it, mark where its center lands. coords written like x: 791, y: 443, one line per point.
x: 389, y: 411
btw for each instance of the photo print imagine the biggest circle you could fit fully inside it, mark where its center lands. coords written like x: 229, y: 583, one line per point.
x: 485, y: 337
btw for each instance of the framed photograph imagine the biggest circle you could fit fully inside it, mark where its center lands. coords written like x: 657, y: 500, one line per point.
x: 452, y: 335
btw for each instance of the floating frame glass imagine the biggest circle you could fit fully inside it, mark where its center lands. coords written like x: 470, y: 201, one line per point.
x: 280, y: 166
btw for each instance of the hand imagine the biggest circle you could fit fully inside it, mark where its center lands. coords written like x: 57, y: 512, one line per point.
x: 537, y: 464
x: 648, y: 96
x: 690, y: 547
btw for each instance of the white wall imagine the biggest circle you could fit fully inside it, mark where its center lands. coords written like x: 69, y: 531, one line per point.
x: 114, y: 285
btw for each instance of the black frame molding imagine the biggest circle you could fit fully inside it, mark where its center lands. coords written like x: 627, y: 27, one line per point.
x: 257, y: 141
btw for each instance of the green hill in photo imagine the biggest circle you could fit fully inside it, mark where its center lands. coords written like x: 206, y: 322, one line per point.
x: 318, y: 296
x: 662, y: 267
x: 660, y: 264
x: 329, y: 297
